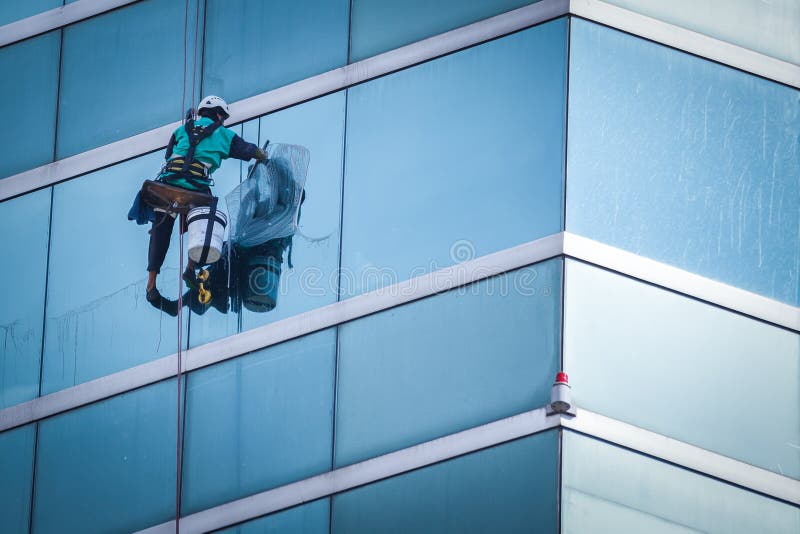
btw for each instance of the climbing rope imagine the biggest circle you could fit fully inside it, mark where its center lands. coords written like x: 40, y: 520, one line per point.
x: 179, y: 425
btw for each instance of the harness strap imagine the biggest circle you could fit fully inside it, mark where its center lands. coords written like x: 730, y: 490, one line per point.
x: 176, y: 165
x: 196, y: 134
x: 209, y: 227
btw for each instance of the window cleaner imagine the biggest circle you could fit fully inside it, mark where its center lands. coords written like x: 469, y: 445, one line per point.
x: 195, y: 150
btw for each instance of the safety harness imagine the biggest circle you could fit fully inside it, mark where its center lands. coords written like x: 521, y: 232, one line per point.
x: 194, y: 172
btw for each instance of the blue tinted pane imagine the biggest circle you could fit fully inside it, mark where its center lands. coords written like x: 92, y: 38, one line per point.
x: 448, y: 362
x: 31, y: 99
x: 12, y: 10
x: 378, y: 25
x: 259, y: 421
x: 312, y: 518
x: 312, y: 279
x: 98, y: 320
x: 25, y: 222
x: 457, y: 157
x: 122, y: 74
x: 509, y: 488
x: 610, y: 489
x: 16, y: 474
x: 254, y: 45
x: 108, y: 467
x: 684, y: 161
x: 691, y: 371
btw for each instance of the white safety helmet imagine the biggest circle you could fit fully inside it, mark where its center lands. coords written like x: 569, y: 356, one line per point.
x: 211, y: 102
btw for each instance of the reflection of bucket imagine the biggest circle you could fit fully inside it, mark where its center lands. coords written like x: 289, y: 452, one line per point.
x: 262, y: 278
x: 198, y: 224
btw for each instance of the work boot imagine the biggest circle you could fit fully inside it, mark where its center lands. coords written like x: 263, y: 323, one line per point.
x: 160, y: 303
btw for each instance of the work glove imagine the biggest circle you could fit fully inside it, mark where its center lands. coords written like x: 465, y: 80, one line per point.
x: 260, y: 155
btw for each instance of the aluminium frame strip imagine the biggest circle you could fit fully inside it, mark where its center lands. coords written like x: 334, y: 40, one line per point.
x: 643, y: 441
x: 555, y: 245
x: 406, y: 56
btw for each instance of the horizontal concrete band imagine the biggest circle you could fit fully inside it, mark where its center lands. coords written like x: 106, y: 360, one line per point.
x: 406, y: 56
x: 56, y: 18
x: 475, y: 439
x: 396, y: 295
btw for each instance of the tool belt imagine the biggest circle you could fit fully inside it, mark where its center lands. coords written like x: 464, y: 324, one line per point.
x: 195, y: 168
x: 162, y: 196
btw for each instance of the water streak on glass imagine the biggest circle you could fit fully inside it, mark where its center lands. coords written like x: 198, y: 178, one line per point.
x: 23, y: 271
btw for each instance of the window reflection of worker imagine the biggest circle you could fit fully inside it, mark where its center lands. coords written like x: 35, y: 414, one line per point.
x: 216, y: 143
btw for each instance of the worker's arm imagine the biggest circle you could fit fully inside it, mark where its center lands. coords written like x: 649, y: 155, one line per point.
x: 241, y: 149
x: 170, y: 146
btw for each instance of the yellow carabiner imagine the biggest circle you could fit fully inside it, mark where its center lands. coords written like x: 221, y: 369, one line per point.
x: 203, y: 295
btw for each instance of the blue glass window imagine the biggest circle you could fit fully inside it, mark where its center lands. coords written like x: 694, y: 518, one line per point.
x: 122, y: 74
x: 448, y: 362
x: 25, y: 221
x: 508, y: 488
x: 259, y: 421
x: 312, y: 280
x: 302, y: 270
x: 610, y: 489
x: 14, y: 11
x: 98, y: 321
x: 457, y: 157
x: 108, y: 467
x: 311, y: 518
x: 33, y: 66
x: 16, y: 474
x: 253, y: 46
x: 690, y: 370
x: 684, y: 161
x: 378, y: 26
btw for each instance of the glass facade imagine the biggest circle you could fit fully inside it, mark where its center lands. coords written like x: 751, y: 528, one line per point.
x: 466, y: 185
x: 109, y: 455
x: 381, y: 26
x: 610, y: 489
x: 34, y: 63
x: 448, y: 362
x: 684, y: 161
x: 509, y: 488
x: 26, y: 266
x: 677, y: 356
x: 92, y: 293
x: 565, y: 125
x: 256, y: 45
x: 259, y: 421
x: 311, y: 518
x: 16, y: 473
x: 14, y: 11
x: 121, y: 74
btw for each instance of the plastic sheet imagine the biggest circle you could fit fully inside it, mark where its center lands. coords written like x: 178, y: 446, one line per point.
x: 266, y: 205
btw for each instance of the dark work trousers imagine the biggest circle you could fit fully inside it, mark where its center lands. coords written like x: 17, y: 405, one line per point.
x: 159, y: 240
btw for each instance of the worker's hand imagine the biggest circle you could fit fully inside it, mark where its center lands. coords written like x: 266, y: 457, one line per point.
x: 260, y: 155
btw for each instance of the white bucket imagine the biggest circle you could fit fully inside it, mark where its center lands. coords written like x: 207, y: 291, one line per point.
x: 198, y: 224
